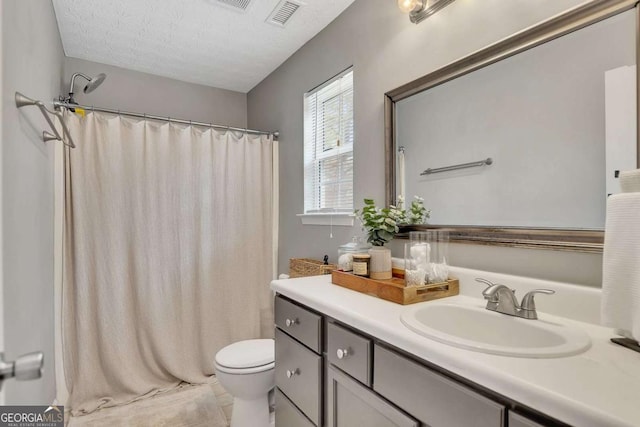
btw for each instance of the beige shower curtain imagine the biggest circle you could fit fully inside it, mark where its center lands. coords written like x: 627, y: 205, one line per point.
x: 168, y: 254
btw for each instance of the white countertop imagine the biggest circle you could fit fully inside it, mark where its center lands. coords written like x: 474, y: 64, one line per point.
x: 600, y: 387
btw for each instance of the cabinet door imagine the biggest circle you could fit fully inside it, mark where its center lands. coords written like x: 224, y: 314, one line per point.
x: 516, y: 420
x: 350, y: 404
x: 298, y: 375
x: 287, y: 415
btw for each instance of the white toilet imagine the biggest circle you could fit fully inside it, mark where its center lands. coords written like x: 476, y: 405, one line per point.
x: 246, y: 370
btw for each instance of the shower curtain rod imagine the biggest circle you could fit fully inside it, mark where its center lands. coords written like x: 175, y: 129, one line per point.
x: 59, y: 104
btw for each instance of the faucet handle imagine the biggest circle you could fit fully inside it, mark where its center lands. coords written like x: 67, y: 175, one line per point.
x: 528, y: 302
x: 487, y: 283
x: 489, y: 292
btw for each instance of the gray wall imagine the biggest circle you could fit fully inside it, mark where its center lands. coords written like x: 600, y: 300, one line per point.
x: 32, y: 64
x: 386, y: 50
x: 128, y: 90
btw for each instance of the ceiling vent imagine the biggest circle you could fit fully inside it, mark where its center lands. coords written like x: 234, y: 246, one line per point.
x: 283, y: 12
x: 237, y: 5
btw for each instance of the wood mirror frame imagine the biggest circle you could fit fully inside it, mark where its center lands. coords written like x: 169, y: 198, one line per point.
x: 543, y: 238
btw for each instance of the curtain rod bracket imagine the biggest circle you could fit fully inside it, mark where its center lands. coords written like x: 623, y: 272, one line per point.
x: 48, y: 136
x: 25, y: 101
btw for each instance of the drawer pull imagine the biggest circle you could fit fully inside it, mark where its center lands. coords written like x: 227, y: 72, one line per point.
x: 291, y: 374
x: 342, y: 353
x: 291, y: 322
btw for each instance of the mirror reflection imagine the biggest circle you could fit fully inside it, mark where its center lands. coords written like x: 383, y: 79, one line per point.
x: 556, y: 121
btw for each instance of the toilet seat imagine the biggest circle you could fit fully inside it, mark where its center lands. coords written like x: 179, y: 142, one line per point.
x: 245, y: 371
x: 246, y: 357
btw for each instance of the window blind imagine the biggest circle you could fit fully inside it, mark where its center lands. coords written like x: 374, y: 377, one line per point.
x: 328, y: 146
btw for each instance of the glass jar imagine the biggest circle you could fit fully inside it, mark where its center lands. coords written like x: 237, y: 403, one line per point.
x: 417, y: 255
x: 346, y: 252
x: 361, y: 263
x: 439, y: 264
x: 426, y: 257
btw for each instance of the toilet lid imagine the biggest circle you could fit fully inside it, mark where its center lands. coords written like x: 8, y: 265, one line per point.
x: 247, y: 354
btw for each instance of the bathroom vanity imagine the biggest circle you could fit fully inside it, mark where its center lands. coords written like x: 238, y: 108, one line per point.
x: 345, y: 358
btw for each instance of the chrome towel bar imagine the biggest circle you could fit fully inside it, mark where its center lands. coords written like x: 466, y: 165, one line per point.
x: 430, y: 171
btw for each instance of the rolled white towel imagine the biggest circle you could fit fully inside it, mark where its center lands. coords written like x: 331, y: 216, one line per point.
x: 345, y: 262
x: 630, y: 181
x: 397, y: 262
x: 621, y: 269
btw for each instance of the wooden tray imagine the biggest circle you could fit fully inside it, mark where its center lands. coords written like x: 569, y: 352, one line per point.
x: 394, y: 289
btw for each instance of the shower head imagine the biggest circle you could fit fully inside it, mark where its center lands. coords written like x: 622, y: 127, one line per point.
x: 93, y: 83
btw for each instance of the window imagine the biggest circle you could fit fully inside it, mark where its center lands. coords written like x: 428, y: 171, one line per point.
x: 328, y: 147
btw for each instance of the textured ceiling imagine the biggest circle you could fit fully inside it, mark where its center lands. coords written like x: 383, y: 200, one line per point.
x: 198, y: 41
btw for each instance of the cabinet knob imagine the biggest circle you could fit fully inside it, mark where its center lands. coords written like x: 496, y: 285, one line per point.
x: 342, y: 353
x: 290, y: 322
x: 291, y: 374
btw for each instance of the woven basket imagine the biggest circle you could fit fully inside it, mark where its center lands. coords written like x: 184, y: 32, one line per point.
x: 303, y: 267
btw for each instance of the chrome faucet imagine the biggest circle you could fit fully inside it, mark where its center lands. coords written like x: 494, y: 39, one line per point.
x: 503, y: 300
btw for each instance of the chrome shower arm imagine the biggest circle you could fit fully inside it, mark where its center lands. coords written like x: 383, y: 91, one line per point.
x: 92, y: 84
x: 73, y: 81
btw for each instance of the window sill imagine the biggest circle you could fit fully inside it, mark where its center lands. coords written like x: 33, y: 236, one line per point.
x: 339, y: 219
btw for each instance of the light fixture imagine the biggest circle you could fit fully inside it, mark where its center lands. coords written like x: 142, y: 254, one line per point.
x: 420, y: 10
x: 407, y: 6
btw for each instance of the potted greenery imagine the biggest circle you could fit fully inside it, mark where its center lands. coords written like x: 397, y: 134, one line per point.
x: 382, y: 225
x: 417, y: 213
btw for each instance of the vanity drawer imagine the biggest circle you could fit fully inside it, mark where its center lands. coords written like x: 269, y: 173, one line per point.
x: 299, y: 375
x: 349, y: 352
x: 429, y: 396
x: 299, y: 323
x: 287, y: 415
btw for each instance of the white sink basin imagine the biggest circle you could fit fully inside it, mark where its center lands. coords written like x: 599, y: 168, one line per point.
x: 475, y: 328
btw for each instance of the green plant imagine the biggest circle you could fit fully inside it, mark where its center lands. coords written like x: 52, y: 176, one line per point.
x: 417, y: 213
x: 382, y: 224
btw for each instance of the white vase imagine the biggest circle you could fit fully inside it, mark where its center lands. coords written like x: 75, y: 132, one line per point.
x: 380, y: 267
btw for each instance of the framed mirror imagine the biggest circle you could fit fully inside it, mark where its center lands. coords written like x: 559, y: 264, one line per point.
x: 519, y: 144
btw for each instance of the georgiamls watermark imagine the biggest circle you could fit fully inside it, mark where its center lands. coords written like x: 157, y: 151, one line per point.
x: 32, y: 416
